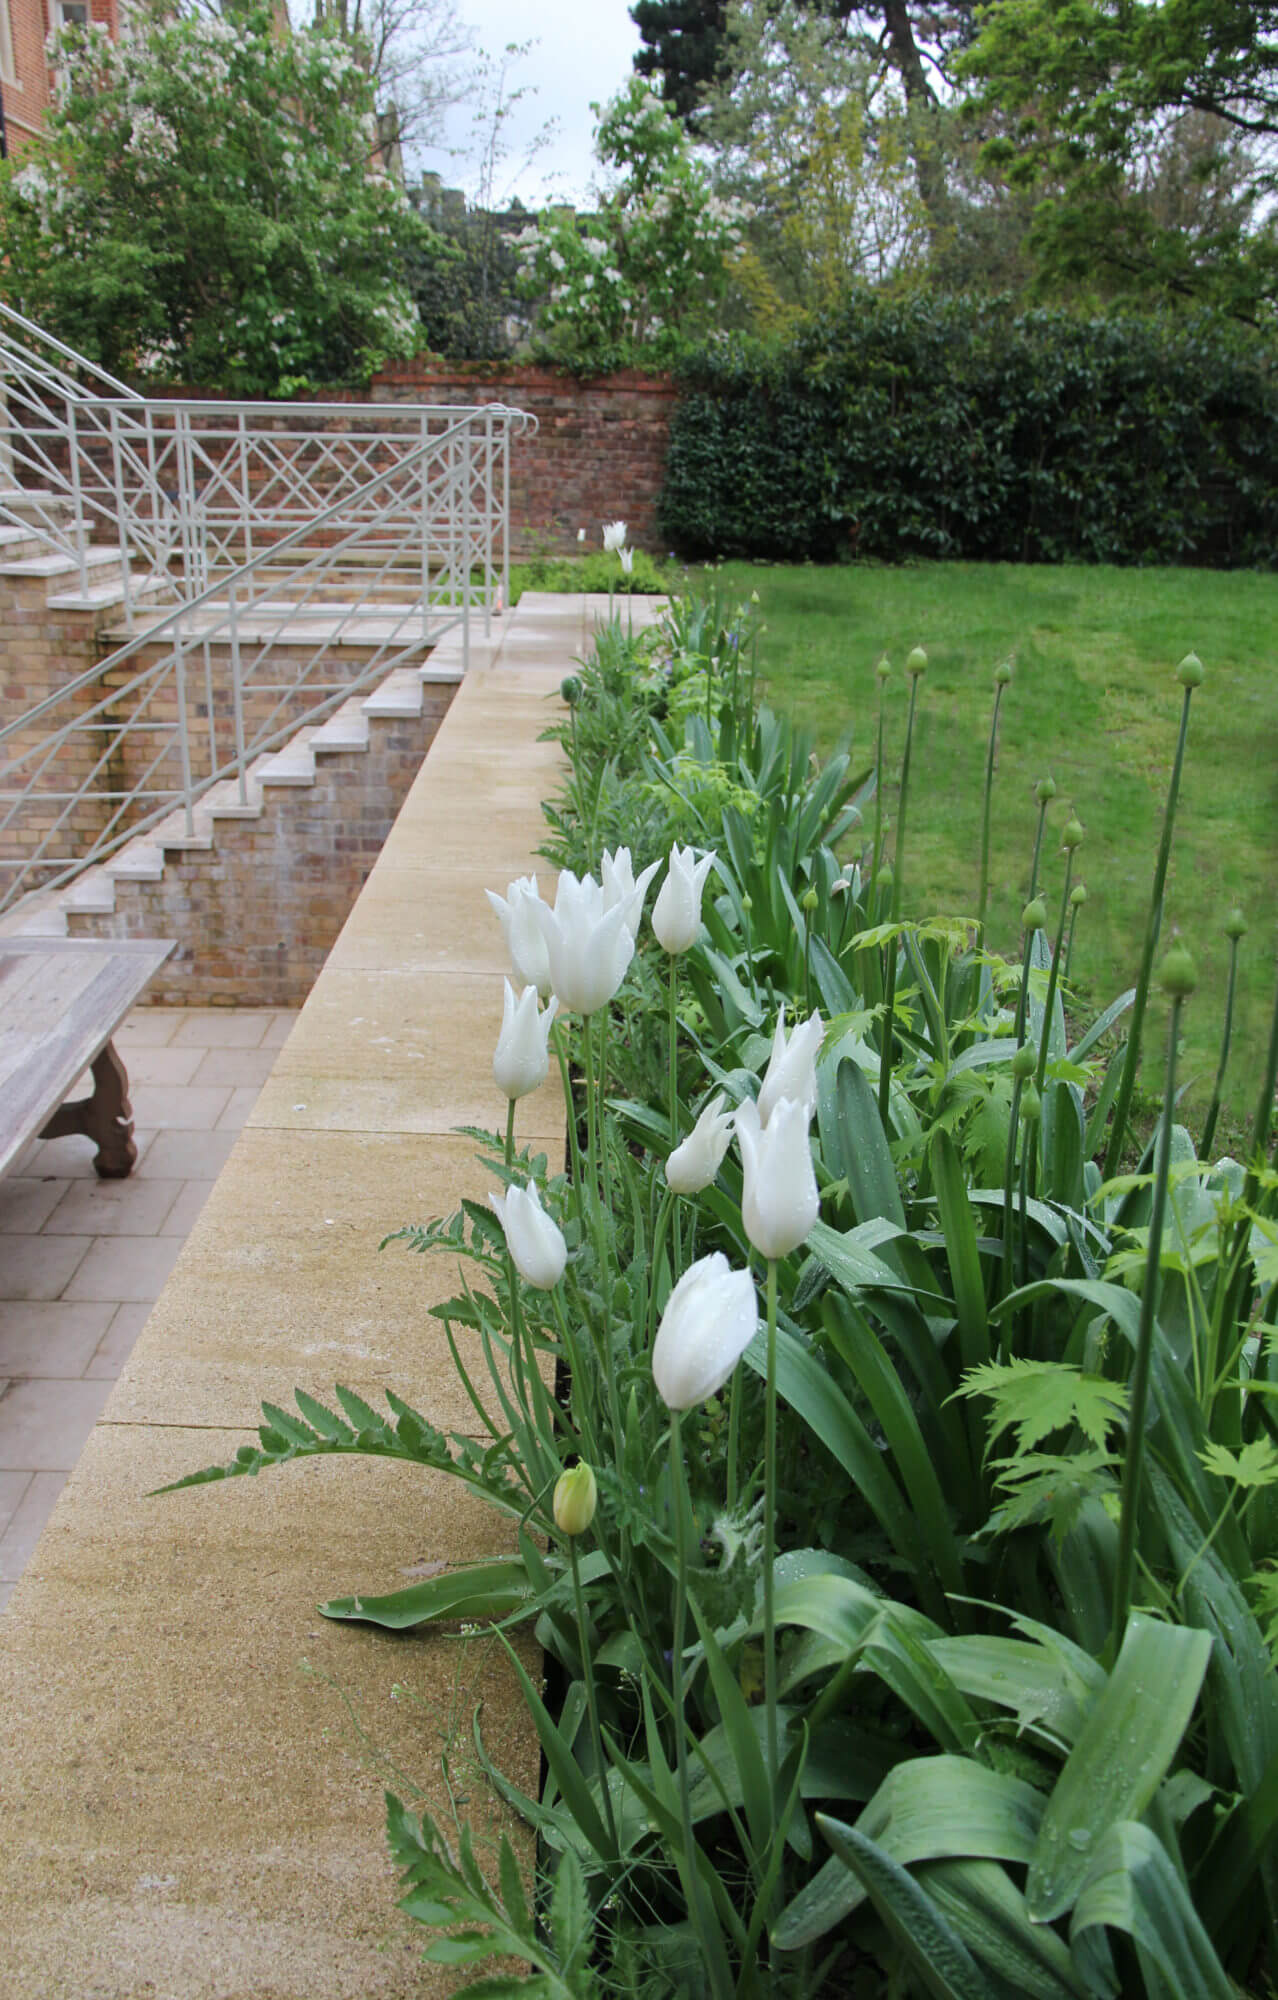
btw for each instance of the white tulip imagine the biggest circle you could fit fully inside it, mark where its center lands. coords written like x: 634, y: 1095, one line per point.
x: 515, y: 912
x: 614, y: 536
x: 710, y: 1319
x: 779, y: 1203
x: 792, y: 1068
x: 589, y: 947
x: 521, y: 1060
x: 694, y: 1165
x: 627, y: 559
x: 676, y: 916
x: 533, y: 1238
x: 620, y: 886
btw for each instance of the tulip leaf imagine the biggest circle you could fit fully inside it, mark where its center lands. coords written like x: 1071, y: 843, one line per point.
x: 937, y: 1953
x: 988, y: 1911
x: 1132, y: 1885
x: 486, y: 1590
x: 1129, y: 1739
x: 854, y: 1144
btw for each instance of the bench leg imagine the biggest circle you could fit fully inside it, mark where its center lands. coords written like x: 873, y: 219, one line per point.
x: 107, y: 1116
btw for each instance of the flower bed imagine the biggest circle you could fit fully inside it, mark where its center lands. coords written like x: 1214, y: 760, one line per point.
x: 891, y: 1488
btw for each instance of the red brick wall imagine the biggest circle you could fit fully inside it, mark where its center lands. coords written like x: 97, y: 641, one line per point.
x: 599, y: 453
x: 27, y: 93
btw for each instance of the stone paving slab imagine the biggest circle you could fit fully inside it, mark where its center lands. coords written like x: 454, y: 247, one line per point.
x: 195, y: 1813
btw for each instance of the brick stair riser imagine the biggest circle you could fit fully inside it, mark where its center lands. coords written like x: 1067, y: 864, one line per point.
x: 256, y: 915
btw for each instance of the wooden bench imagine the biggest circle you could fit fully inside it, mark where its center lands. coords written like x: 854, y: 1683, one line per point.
x: 61, y: 1000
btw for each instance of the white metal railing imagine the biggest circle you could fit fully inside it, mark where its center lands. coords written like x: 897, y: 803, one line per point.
x: 189, y: 491
x: 238, y: 667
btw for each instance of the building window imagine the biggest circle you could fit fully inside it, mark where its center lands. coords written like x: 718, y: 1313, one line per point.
x: 7, y: 71
x: 73, y: 13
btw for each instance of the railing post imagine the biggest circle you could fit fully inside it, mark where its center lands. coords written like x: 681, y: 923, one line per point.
x: 505, y: 515
x: 246, y: 500
x: 184, y: 741
x: 464, y: 554
x: 488, y: 520
x: 237, y: 693
x: 122, y: 524
x: 77, y: 501
x: 425, y: 519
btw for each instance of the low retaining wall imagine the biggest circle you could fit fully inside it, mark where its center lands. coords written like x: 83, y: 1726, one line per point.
x: 193, y: 1762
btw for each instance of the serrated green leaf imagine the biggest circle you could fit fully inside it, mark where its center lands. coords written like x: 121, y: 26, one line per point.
x: 1036, y: 1398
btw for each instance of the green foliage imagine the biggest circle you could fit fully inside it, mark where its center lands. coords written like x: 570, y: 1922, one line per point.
x: 1089, y: 90
x: 962, y: 428
x: 202, y: 208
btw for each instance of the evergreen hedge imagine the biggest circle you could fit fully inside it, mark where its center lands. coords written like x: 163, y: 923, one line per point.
x: 959, y: 427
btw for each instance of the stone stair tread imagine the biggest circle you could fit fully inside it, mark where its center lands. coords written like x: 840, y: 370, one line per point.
x: 140, y: 861
x: 54, y: 565
x: 104, y: 595
x: 91, y: 894
x: 399, y: 694
x: 346, y: 729
x: 223, y: 801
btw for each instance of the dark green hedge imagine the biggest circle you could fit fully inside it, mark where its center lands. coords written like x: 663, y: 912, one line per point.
x: 962, y: 428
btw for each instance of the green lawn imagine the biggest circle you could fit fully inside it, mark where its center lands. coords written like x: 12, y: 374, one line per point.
x: 1093, y: 702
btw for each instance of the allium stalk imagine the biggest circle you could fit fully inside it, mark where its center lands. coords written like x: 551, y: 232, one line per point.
x: 1235, y: 927
x: 1178, y: 981
x: 1190, y: 674
x: 1002, y: 675
x: 915, y: 667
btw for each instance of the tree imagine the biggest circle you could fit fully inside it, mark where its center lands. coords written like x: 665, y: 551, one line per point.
x: 1111, y: 105
x: 203, y: 209
x: 409, y: 49
x: 683, y: 46
x: 628, y: 282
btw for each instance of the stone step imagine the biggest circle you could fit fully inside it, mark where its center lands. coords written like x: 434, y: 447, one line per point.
x: 104, y: 596
x: 104, y: 564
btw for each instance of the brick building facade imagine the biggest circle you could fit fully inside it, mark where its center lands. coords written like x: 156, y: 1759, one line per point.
x: 26, y: 82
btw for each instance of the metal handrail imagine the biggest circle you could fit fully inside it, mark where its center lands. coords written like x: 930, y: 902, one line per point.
x: 217, y: 616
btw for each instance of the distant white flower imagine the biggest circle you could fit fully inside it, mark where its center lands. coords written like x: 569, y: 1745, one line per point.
x: 614, y: 536
x: 695, y: 1164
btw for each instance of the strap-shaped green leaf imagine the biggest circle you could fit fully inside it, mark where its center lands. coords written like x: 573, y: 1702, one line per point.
x: 1132, y: 1885
x: 480, y: 1591
x: 1125, y: 1749
x: 941, y: 1959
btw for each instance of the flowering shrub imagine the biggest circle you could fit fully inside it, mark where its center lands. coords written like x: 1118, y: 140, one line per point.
x: 650, y: 265
x: 204, y: 207
x: 902, y: 1528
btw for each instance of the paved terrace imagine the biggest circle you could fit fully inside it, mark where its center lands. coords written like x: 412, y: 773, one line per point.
x: 193, y: 1762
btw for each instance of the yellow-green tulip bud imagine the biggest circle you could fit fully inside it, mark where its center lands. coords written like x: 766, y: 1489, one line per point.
x: 1002, y: 673
x: 1190, y: 671
x: 1034, y: 915
x: 575, y: 1499
x: 1031, y: 1105
x: 1073, y: 833
x: 884, y: 667
x: 1235, y: 924
x: 1045, y: 790
x: 1177, y: 976
x: 916, y: 662
x: 1024, y: 1062
x: 1078, y: 895
x: 809, y: 901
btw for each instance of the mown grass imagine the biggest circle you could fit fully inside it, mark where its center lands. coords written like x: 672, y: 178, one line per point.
x: 1095, y: 704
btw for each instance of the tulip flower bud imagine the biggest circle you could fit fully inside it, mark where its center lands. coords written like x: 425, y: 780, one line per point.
x: 1190, y: 671
x: 1235, y: 924
x: 1034, y: 915
x: 779, y: 1203
x: 1177, y: 976
x: 710, y: 1319
x: 1002, y: 673
x: 883, y: 669
x: 809, y: 901
x: 696, y: 1163
x: 747, y: 903
x: 916, y: 662
x: 627, y: 559
x: 588, y: 946
x: 516, y: 913
x: 1031, y: 1105
x: 676, y: 914
x: 575, y: 1498
x: 533, y: 1238
x: 792, y: 1066
x: 1072, y: 835
x: 1024, y: 1062
x: 1045, y: 790
x: 521, y: 1059
x: 1078, y: 895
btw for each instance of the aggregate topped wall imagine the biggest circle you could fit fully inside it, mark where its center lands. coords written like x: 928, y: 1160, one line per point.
x: 599, y: 452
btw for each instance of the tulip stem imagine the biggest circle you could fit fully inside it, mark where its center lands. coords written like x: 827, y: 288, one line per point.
x: 983, y: 891
x: 1133, y: 1461
x: 734, y: 1435
x: 570, y: 1109
x: 588, y: 1681
x: 654, y: 1263
x: 681, y: 1506
x: 770, y: 1529
x: 510, y: 1134
x: 674, y: 1053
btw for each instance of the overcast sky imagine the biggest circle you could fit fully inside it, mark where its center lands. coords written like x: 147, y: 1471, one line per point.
x: 581, y: 51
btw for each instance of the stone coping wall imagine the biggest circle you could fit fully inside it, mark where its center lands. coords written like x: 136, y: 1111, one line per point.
x: 192, y: 1761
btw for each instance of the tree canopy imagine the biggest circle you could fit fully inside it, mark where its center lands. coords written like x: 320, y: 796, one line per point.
x: 207, y: 206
